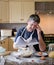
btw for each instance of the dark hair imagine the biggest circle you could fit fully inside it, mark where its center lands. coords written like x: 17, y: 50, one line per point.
x: 35, y: 18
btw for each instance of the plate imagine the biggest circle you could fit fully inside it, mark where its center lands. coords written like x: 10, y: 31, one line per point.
x: 43, y: 54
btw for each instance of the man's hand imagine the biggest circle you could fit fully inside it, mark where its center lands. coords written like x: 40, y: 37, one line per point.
x: 38, y: 29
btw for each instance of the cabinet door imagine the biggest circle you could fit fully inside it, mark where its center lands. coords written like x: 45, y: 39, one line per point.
x: 5, y: 12
x: 4, y: 44
x: 27, y: 10
x: 15, y: 11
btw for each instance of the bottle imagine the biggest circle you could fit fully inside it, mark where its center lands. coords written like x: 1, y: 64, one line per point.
x: 2, y: 60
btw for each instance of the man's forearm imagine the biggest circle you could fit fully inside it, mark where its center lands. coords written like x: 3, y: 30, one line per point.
x: 42, y: 45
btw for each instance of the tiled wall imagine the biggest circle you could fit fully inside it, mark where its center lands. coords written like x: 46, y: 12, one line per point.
x: 47, y: 23
x: 11, y: 25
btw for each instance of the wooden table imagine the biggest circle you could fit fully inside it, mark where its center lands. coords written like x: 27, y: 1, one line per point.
x: 27, y: 63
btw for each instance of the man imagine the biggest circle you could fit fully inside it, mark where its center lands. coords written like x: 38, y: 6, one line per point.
x: 30, y: 34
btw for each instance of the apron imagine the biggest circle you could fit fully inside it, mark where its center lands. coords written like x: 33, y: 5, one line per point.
x: 21, y: 42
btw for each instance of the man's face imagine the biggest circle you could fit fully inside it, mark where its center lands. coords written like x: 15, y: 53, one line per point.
x: 32, y: 25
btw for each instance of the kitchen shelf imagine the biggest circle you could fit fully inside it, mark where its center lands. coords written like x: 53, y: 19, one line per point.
x: 44, y: 7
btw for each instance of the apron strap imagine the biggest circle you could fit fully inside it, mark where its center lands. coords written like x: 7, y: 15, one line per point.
x: 32, y: 32
x: 23, y: 31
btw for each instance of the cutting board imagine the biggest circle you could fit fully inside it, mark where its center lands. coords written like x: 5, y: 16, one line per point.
x: 5, y: 53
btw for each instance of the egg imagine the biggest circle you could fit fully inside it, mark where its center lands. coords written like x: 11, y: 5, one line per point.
x: 42, y: 58
x: 40, y: 53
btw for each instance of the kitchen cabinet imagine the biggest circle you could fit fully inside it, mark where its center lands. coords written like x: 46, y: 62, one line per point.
x: 4, y: 12
x: 0, y: 11
x: 4, y: 43
x: 10, y: 45
x: 27, y: 10
x: 14, y: 11
x: 20, y: 11
x: 44, y: 7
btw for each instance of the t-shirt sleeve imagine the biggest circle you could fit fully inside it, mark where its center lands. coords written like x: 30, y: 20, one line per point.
x: 18, y: 33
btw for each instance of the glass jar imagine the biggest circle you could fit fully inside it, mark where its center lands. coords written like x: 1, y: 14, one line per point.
x: 51, y: 54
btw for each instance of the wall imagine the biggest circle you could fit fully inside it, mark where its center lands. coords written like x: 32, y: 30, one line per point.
x: 47, y: 23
